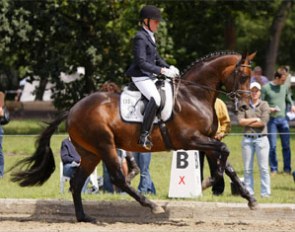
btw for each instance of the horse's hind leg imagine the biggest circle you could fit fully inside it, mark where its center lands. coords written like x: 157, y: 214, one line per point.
x: 252, y: 203
x: 88, y: 164
x: 119, y: 180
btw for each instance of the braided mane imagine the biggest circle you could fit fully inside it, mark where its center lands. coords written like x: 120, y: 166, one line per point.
x: 208, y: 57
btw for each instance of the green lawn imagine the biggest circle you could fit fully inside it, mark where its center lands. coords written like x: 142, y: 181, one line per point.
x: 18, y: 146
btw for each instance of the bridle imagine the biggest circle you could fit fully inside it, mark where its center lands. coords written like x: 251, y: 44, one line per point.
x: 235, y: 95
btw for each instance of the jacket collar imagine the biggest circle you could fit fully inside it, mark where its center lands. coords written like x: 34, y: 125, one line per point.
x: 257, y: 105
x: 148, y: 37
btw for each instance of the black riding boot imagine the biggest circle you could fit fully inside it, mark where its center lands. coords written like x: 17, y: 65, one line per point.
x: 148, y: 118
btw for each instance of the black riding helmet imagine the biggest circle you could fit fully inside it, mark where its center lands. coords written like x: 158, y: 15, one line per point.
x: 150, y: 12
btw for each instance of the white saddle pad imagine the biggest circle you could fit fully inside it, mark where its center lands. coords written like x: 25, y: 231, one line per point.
x: 132, y: 107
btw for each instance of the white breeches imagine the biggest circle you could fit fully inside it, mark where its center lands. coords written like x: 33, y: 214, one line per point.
x: 148, y: 88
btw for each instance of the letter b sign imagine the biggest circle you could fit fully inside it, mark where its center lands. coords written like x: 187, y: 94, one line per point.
x: 182, y: 160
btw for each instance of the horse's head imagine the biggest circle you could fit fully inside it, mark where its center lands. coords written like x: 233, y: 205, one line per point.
x: 206, y: 77
x: 238, y: 85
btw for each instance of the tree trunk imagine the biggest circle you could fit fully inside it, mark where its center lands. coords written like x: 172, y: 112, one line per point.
x: 275, y: 35
x: 41, y: 89
x: 230, y: 37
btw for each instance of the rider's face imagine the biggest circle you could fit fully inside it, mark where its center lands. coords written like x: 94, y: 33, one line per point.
x: 153, y: 24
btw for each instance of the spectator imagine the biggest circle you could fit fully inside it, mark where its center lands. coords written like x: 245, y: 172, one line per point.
x: 2, y: 100
x: 288, y: 74
x: 110, y: 87
x: 277, y: 95
x: 223, y: 129
x: 255, y: 141
x: 129, y: 169
x: 258, y: 77
x: 288, y: 84
x: 71, y: 161
x: 146, y: 185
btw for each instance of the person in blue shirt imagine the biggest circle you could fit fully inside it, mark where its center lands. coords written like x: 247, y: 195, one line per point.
x: 258, y: 77
x: 143, y: 160
x: 71, y: 161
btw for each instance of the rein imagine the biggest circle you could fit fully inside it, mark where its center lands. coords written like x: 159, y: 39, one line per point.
x: 233, y: 95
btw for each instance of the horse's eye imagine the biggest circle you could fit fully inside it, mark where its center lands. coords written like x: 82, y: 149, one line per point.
x: 244, y: 78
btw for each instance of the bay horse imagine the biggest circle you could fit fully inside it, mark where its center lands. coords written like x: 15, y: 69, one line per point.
x: 96, y: 129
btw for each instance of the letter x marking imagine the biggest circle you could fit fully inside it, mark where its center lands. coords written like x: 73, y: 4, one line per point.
x: 181, y: 181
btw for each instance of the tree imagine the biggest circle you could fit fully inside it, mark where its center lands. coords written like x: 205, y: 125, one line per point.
x: 49, y: 37
x: 275, y: 35
x: 14, y: 31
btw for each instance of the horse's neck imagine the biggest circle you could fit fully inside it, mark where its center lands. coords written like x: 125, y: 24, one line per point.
x: 196, y: 97
x: 201, y: 86
x: 208, y: 77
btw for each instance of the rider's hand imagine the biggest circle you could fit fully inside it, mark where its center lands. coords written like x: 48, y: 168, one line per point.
x: 168, y: 72
x: 175, y: 70
x: 219, y: 136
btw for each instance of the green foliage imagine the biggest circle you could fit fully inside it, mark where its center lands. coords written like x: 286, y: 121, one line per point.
x: 48, y: 37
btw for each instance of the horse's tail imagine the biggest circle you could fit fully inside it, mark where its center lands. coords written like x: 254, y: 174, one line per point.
x: 39, y: 166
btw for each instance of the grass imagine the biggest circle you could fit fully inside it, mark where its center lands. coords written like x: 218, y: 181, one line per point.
x: 17, y: 147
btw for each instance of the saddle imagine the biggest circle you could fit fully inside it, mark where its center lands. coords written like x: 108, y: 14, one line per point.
x: 132, y: 103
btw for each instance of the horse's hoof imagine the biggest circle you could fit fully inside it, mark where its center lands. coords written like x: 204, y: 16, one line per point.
x: 158, y: 210
x: 87, y: 219
x: 206, y: 183
x: 253, y: 205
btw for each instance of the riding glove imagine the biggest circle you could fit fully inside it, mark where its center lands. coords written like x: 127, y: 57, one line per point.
x: 170, y: 72
x: 175, y: 70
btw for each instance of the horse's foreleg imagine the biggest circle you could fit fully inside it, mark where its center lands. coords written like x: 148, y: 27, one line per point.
x: 222, y: 159
x: 206, y: 183
x: 219, y: 157
x: 252, y: 203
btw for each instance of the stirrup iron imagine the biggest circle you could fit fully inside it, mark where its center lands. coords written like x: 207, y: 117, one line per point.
x: 145, y: 141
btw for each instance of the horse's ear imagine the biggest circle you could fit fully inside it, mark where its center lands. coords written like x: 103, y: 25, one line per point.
x: 251, y: 56
x: 244, y: 56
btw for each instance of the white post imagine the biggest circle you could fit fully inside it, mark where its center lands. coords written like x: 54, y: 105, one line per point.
x: 185, y: 178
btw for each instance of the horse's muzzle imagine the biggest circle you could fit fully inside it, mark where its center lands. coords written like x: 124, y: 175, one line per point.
x: 243, y: 107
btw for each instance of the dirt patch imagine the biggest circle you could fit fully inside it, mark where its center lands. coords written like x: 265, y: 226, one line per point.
x: 27, y: 224
x: 28, y: 215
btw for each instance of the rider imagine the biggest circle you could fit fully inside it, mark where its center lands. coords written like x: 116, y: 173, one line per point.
x: 146, y: 66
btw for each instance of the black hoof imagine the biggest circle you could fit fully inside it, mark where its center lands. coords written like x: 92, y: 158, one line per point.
x: 87, y: 219
x: 253, y: 204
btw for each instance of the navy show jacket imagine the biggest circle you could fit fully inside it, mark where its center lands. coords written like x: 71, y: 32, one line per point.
x: 68, y: 152
x: 147, y: 61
